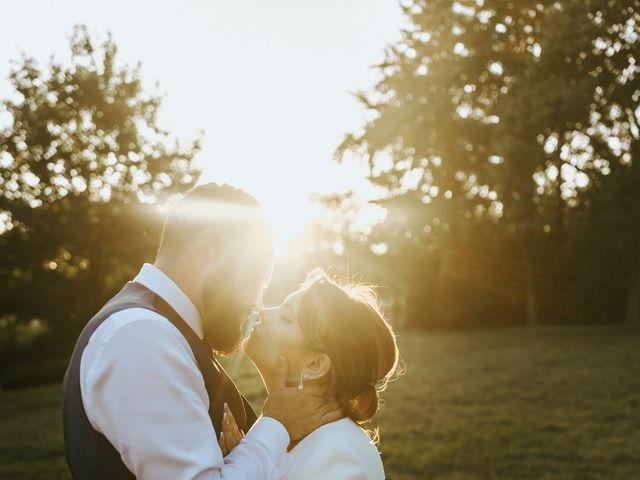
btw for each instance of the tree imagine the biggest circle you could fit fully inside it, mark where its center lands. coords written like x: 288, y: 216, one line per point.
x: 613, y: 131
x: 519, y: 119
x: 84, y: 166
x: 436, y: 112
x: 588, y: 127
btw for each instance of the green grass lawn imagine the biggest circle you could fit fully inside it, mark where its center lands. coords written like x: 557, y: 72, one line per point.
x: 556, y: 403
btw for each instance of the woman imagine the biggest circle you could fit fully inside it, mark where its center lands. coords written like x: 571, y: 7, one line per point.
x: 331, y: 335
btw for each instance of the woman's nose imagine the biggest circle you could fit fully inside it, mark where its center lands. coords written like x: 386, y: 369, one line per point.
x: 262, y: 315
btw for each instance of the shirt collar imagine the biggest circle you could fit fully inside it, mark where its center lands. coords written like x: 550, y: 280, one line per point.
x: 159, y: 282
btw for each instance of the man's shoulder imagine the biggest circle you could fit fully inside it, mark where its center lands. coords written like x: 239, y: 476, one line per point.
x: 128, y: 321
x: 133, y: 328
x: 132, y: 341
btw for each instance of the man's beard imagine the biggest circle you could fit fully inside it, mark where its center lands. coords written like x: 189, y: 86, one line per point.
x: 223, y: 318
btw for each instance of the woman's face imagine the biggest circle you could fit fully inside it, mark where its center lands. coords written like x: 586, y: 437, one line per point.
x: 278, y: 333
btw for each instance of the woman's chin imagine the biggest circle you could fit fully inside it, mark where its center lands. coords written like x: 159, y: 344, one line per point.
x: 245, y: 347
x: 248, y: 345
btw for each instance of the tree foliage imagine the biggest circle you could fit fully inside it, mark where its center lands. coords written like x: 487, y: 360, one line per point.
x: 504, y: 133
x: 83, y: 167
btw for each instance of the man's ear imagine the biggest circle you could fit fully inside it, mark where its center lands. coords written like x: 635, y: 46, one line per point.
x: 317, y: 366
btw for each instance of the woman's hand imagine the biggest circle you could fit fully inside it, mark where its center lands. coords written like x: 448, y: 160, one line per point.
x: 300, y: 411
x: 231, y: 435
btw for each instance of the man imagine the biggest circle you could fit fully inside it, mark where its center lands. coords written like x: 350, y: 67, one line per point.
x: 143, y: 395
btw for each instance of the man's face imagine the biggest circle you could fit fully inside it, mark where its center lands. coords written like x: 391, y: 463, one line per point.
x: 231, y: 291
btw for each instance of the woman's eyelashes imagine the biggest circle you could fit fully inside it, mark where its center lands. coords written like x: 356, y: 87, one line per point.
x: 286, y: 315
x: 286, y: 318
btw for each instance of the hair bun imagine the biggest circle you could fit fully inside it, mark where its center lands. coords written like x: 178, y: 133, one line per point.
x: 364, y: 405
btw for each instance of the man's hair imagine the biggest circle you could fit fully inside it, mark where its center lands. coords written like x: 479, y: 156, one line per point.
x: 228, y: 209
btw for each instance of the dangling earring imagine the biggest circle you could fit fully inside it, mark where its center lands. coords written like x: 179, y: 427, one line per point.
x: 301, y: 384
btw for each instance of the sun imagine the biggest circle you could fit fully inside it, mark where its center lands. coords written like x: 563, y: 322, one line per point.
x: 287, y: 219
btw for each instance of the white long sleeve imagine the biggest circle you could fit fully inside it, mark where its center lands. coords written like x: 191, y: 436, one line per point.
x: 142, y: 389
x: 331, y: 463
x: 339, y: 450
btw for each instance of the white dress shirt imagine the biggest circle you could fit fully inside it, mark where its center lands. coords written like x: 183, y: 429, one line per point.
x: 339, y: 450
x: 142, y: 389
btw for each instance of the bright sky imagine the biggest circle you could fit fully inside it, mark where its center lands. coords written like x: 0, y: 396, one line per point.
x: 267, y: 80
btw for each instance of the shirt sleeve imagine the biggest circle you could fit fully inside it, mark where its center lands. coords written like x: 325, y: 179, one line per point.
x: 143, y: 390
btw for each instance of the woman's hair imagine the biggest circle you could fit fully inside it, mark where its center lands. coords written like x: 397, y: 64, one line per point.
x: 344, y: 321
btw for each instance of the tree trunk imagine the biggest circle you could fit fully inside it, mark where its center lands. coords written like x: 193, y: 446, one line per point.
x: 423, y: 292
x: 531, y: 296
x: 632, y: 308
x: 530, y: 293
